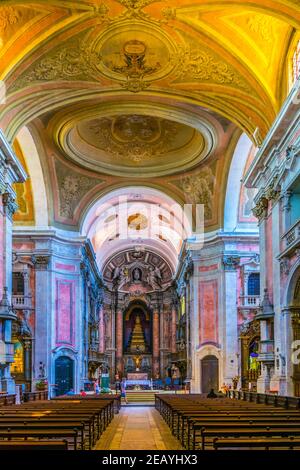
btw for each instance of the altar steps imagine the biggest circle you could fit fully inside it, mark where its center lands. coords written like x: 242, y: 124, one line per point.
x: 140, y: 398
x: 144, y: 397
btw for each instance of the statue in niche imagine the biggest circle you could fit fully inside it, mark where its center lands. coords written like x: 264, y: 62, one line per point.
x: 158, y: 277
x: 137, y: 275
x: 124, y: 277
x: 152, y: 279
x: 116, y: 274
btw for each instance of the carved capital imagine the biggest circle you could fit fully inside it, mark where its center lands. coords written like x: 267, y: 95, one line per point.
x: 286, y: 200
x: 231, y: 262
x: 9, y: 204
x: 272, y: 194
x: 40, y: 262
x: 284, y: 266
x: 261, y: 208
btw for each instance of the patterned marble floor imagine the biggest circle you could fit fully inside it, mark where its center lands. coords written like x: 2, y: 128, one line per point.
x: 137, y: 428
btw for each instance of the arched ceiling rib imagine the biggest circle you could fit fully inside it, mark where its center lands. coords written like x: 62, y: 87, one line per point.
x: 187, y: 77
x: 137, y: 216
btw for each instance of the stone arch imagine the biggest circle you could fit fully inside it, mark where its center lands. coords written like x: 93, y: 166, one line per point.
x: 207, y: 350
x: 292, y: 314
x: 72, y: 356
x: 30, y: 153
x: 236, y: 192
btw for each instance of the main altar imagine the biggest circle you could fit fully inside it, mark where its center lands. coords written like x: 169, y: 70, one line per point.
x: 138, y: 379
x: 137, y: 352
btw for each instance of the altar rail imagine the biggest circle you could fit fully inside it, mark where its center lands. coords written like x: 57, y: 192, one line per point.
x: 267, y: 399
x: 35, y: 396
x: 6, y: 399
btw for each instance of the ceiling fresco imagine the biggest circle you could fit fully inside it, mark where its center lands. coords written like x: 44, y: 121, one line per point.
x: 154, y: 93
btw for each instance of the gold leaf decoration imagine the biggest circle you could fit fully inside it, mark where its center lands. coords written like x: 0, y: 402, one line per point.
x: 72, y: 188
x: 199, y: 188
x: 134, y: 137
x: 262, y: 26
x: 74, y: 61
x: 200, y: 65
x: 8, y: 16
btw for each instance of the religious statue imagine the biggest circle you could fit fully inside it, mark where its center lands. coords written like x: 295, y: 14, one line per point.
x: 137, y: 275
x: 137, y: 360
x: 151, y: 278
x: 116, y: 273
x: 158, y: 277
x: 124, y: 277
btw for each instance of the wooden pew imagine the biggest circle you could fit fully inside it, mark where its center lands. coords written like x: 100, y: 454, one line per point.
x: 33, y: 445
x: 194, y: 412
x: 262, y: 443
x: 252, y: 431
x: 89, y: 418
x: 59, y: 433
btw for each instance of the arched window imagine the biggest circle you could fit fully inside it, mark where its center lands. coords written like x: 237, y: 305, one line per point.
x: 296, y: 62
x: 293, y: 62
x: 254, y: 284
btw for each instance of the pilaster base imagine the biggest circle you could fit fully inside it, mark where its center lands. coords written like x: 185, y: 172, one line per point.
x: 281, y: 385
x: 263, y: 384
x: 8, y: 386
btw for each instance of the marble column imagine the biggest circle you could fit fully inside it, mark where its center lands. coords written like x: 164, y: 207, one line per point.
x: 188, y: 330
x: 7, y: 315
x: 101, y: 331
x: 155, y: 364
x: 11, y: 171
x: 43, y: 314
x: 230, y: 338
x: 173, y: 337
x: 119, y: 341
x: 27, y: 359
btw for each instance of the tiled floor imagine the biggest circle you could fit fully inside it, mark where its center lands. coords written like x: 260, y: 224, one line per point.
x: 138, y: 427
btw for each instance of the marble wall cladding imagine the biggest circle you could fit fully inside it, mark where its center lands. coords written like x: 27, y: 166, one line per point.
x: 1, y: 247
x: 208, y: 311
x: 269, y: 255
x: 65, y: 267
x: 65, y: 311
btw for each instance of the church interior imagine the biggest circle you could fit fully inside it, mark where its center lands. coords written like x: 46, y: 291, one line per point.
x: 149, y: 223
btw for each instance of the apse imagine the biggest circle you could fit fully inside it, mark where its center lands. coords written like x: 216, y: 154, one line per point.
x: 137, y: 218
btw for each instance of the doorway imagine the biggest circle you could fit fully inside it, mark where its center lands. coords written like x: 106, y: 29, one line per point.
x: 64, y: 372
x: 209, y: 374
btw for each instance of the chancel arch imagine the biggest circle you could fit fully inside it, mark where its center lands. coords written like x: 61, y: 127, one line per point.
x: 128, y: 116
x: 292, y: 327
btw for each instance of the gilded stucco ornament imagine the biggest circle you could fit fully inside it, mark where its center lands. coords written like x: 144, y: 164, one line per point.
x: 8, y: 16
x: 198, y: 189
x: 194, y: 63
x: 134, y: 8
x: 72, y: 188
x: 134, y: 137
x: 261, y: 208
x: 134, y: 54
x: 103, y: 139
x: 262, y: 26
x: 75, y: 61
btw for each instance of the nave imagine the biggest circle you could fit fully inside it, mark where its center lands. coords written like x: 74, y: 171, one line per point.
x: 138, y: 428
x: 193, y: 422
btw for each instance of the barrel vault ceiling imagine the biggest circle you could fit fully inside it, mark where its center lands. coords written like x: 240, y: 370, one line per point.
x: 141, y: 92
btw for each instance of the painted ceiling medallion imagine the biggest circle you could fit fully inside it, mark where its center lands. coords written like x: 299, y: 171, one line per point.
x: 135, y: 55
x: 134, y: 137
x: 130, y: 143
